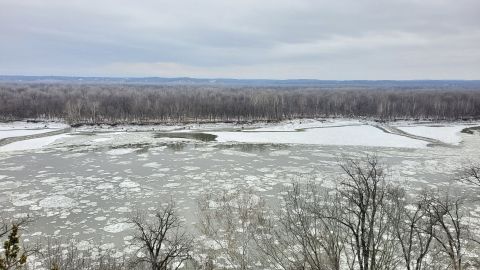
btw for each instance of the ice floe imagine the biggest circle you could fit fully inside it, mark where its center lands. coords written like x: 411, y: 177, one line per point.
x: 129, y: 184
x: 171, y: 185
x: 57, y: 201
x: 117, y: 227
x: 106, y: 186
x: 4, y: 185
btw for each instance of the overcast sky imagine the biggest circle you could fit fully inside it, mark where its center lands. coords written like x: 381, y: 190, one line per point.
x: 277, y: 39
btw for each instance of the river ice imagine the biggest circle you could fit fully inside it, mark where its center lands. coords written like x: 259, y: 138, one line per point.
x: 84, y: 187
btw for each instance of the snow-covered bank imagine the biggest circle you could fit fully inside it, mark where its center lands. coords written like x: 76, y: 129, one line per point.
x: 287, y: 125
x: 353, y: 132
x: 16, y: 129
x: 32, y: 144
x: 358, y: 135
x: 450, y: 134
x: 19, y: 136
x: 302, y: 124
x: 16, y: 125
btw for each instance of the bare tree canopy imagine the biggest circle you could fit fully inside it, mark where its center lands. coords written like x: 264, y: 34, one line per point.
x: 471, y: 174
x: 163, y: 243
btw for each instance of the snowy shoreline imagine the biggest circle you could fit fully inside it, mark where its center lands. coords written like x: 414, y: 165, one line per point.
x: 324, y: 131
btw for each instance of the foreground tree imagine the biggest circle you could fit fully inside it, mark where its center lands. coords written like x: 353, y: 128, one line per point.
x: 229, y: 221
x: 298, y: 237
x: 363, y: 199
x: 453, y: 232
x: 14, y: 255
x: 163, y: 243
x: 362, y: 223
x: 415, y: 228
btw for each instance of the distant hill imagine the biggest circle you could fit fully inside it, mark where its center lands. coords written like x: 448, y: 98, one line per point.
x: 434, y: 84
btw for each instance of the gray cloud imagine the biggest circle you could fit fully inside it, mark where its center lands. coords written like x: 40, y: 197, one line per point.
x: 344, y: 39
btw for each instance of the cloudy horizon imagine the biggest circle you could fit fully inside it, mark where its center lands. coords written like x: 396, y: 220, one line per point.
x: 270, y: 39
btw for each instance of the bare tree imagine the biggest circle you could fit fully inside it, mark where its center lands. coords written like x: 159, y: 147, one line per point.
x: 363, y: 199
x: 299, y: 237
x: 414, y: 227
x: 6, y: 225
x: 453, y: 231
x: 163, y: 243
x: 471, y: 174
x: 229, y: 222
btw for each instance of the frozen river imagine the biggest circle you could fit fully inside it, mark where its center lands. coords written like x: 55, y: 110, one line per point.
x: 84, y: 184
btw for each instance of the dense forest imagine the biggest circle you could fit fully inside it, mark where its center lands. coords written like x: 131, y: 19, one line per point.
x: 128, y: 103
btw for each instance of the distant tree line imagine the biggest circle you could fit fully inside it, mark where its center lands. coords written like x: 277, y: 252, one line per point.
x: 110, y: 104
x: 363, y: 222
